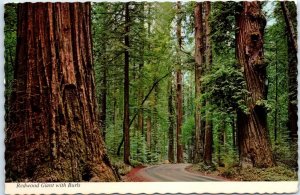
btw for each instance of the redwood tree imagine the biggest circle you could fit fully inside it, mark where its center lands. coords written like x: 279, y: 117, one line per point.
x: 198, y: 71
x: 253, y: 138
x: 179, y: 99
x: 126, y: 125
x: 53, y: 129
x: 171, y: 123
x: 208, y: 135
x: 292, y: 73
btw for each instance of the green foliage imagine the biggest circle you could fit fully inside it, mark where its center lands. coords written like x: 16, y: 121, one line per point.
x: 10, y: 41
x: 225, y: 88
x: 188, y: 128
x: 138, y: 149
x: 207, y: 169
x: 223, y: 25
x: 286, y: 153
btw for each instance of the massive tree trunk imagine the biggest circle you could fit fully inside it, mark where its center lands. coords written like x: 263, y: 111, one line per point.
x: 179, y: 98
x: 292, y: 73
x: 254, y: 143
x: 208, y: 138
x: 171, y: 124
x: 53, y: 133
x: 126, y: 127
x: 198, y: 153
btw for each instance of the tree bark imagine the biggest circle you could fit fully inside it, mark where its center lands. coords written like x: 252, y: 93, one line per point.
x: 60, y: 142
x: 148, y: 138
x: 171, y: 124
x: 254, y: 143
x: 208, y: 136
x: 179, y: 98
x: 289, y: 24
x: 292, y: 74
x: 198, y: 153
x: 126, y: 126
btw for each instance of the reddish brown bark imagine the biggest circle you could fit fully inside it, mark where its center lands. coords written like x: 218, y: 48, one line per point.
x: 253, y: 138
x: 208, y: 137
x: 179, y: 99
x: 148, y: 138
x: 198, y: 153
x: 171, y: 124
x: 53, y: 133
x: 290, y: 26
x: 292, y: 73
x: 126, y: 126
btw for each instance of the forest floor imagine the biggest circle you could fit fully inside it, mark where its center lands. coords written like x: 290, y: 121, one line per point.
x: 215, y: 174
x: 276, y: 173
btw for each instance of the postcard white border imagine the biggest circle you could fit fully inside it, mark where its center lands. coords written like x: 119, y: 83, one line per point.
x: 161, y: 187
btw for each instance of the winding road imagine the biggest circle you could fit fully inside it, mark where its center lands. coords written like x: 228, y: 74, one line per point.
x: 171, y: 172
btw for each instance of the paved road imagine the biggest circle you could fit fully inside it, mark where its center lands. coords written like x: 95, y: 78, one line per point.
x: 171, y: 172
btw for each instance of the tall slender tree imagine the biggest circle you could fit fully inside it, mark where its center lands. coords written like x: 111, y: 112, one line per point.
x: 126, y: 126
x: 179, y: 99
x: 141, y: 65
x: 253, y: 138
x: 171, y: 123
x: 61, y: 142
x: 208, y: 139
x: 198, y: 153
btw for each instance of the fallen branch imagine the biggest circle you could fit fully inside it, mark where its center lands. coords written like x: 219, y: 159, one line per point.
x: 144, y: 100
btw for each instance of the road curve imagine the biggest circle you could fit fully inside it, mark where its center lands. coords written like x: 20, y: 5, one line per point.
x: 171, y: 172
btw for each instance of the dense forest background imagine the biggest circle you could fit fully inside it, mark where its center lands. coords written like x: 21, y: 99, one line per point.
x: 208, y: 83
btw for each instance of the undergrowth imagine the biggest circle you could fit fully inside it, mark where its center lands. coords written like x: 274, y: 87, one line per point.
x: 119, y: 165
x: 277, y: 173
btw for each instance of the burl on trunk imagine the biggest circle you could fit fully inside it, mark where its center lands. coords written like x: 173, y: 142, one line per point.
x: 253, y: 138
